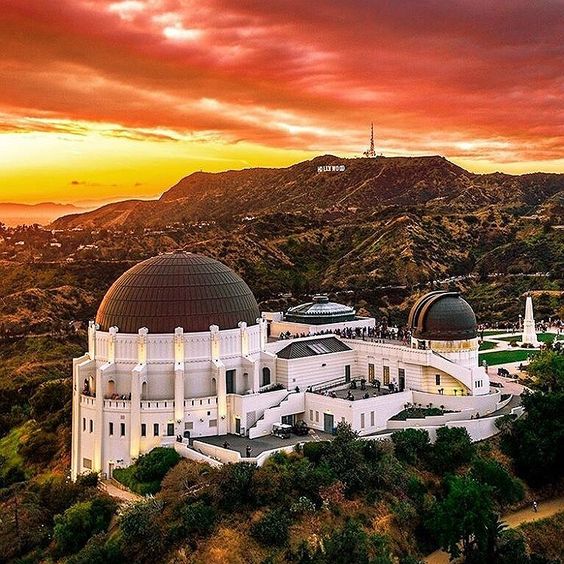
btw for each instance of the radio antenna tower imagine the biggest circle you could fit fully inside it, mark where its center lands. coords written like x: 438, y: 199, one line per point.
x: 371, y: 153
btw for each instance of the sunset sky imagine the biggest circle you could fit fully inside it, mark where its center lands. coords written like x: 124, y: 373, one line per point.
x: 103, y: 100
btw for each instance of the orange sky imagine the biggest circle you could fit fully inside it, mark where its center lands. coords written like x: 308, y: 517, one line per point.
x: 103, y: 100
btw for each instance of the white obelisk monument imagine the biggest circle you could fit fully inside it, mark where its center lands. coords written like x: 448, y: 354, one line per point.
x: 529, y: 331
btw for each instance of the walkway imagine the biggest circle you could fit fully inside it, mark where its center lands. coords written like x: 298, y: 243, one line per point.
x: 512, y: 520
x: 114, y: 491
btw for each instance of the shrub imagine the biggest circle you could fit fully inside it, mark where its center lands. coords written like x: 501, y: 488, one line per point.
x: 155, y: 464
x: 452, y: 448
x: 233, y: 486
x: 272, y: 528
x: 197, y: 518
x: 411, y: 445
x: 98, y: 550
x: 79, y: 522
x: 314, y: 450
x: 142, y: 536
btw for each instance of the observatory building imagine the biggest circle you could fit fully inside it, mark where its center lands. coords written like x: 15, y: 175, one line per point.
x: 179, y: 351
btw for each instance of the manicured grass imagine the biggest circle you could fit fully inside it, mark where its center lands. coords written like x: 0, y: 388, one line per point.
x: 492, y: 332
x: 487, y: 345
x: 542, y: 337
x: 503, y: 357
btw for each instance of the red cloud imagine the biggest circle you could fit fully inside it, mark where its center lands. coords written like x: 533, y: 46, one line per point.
x: 434, y: 76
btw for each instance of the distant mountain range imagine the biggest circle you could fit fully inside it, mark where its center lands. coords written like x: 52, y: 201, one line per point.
x: 27, y: 214
x: 353, y: 223
x: 365, y: 184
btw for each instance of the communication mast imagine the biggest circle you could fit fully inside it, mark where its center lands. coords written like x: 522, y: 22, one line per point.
x: 371, y: 153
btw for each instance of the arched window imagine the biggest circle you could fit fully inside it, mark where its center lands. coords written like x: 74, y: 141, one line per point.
x: 265, y: 376
x: 144, y: 391
x: 213, y: 387
x: 111, y: 388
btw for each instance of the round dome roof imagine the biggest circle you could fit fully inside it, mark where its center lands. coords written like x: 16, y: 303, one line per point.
x: 320, y: 311
x: 177, y: 289
x: 442, y: 316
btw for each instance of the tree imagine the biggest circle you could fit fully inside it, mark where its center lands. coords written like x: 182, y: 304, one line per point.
x: 536, y: 441
x: 197, y: 518
x: 463, y: 517
x: 233, y: 485
x: 411, y: 445
x: 505, y: 489
x: 452, y: 448
x: 547, y: 369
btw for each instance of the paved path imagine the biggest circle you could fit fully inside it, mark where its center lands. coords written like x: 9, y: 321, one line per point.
x: 112, y: 490
x: 512, y: 520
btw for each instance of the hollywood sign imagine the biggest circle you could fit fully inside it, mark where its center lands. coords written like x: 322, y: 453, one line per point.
x: 331, y: 168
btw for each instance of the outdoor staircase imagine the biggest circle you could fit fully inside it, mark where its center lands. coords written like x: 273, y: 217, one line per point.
x: 291, y: 404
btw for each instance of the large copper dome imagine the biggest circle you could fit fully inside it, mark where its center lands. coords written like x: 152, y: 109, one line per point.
x: 442, y: 316
x: 177, y: 289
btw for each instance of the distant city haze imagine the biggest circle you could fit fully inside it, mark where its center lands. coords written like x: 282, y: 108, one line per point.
x: 109, y: 100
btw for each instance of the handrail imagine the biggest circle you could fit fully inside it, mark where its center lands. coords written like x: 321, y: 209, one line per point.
x: 329, y: 384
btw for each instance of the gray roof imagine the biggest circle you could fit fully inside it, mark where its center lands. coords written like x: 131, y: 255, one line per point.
x: 177, y: 289
x: 312, y: 347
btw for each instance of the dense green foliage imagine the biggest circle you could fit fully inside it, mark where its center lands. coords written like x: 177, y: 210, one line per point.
x: 536, y: 441
x: 80, y: 521
x: 411, y: 445
x: 452, y: 448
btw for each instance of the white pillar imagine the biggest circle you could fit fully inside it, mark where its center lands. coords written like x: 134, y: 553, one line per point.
x: 138, y: 374
x: 529, y: 330
x: 179, y: 379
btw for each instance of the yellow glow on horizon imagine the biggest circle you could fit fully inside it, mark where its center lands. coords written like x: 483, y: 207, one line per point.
x: 97, y: 163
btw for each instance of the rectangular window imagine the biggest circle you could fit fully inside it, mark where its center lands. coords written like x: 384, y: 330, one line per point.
x: 189, y: 425
x: 371, y: 372
x: 362, y: 420
x: 143, y: 429
x: 213, y: 422
x: 386, y: 375
x: 317, y: 416
x: 87, y: 463
x: 84, y: 423
x: 91, y: 425
x: 111, y: 428
x: 372, y: 419
x: 156, y: 429
x: 122, y: 429
x: 170, y: 429
x: 311, y: 414
x: 438, y: 379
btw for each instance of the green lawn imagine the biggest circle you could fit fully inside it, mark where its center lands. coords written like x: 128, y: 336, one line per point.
x: 503, y: 357
x: 542, y: 337
x: 487, y: 345
x: 491, y: 332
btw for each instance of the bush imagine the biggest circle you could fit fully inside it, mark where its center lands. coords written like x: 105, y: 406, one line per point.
x: 79, y: 522
x: 411, y: 445
x: 272, y: 528
x: 197, y: 518
x: 155, y: 464
x: 314, y: 450
x: 233, y: 486
x: 452, y: 448
x: 98, y: 550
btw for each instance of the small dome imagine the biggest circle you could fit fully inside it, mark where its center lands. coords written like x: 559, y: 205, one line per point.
x: 319, y: 312
x: 442, y: 316
x: 177, y: 289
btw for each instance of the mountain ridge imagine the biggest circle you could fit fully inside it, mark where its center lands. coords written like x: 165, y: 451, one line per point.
x: 370, y: 183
